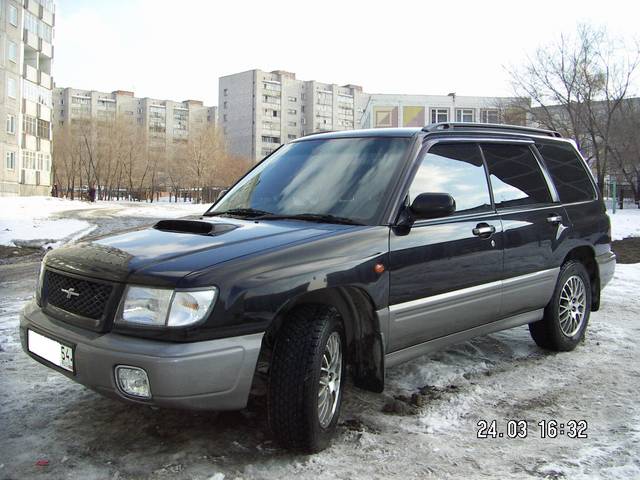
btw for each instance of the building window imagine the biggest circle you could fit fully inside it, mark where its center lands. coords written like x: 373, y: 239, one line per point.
x: 12, y: 51
x: 43, y: 130
x: 224, y: 117
x: 29, y: 160
x: 29, y: 125
x: 489, y: 115
x: 11, y: 160
x: 11, y: 124
x: 293, y: 99
x: 292, y: 124
x: 267, y: 139
x: 292, y: 111
x: 291, y: 137
x: 13, y: 15
x: 225, y: 92
x: 11, y: 88
x: 464, y: 115
x: 439, y: 115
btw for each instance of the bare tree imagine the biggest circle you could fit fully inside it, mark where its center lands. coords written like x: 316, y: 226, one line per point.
x: 577, y: 86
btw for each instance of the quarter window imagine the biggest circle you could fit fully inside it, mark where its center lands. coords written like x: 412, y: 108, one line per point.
x: 516, y: 178
x: 567, y: 172
x: 455, y: 169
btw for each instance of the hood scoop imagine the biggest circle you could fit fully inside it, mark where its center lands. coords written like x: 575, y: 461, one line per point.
x: 193, y: 227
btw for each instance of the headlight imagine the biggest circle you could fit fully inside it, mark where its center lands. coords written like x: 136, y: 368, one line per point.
x: 159, y: 307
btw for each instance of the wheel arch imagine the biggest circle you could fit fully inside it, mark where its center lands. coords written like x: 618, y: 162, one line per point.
x: 585, y: 254
x: 365, y: 347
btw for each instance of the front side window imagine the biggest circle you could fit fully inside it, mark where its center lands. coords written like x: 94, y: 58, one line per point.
x: 516, y: 178
x: 455, y: 169
x: 343, y: 177
x: 567, y: 172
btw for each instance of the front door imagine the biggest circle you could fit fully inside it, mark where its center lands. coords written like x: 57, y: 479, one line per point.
x: 446, y: 273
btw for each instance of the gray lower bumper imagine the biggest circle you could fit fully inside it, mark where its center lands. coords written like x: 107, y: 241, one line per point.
x: 208, y: 375
x: 606, y: 267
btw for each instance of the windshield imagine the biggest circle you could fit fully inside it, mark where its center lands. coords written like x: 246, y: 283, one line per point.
x: 347, y: 178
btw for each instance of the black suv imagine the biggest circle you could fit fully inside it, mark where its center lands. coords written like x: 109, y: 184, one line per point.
x: 349, y: 251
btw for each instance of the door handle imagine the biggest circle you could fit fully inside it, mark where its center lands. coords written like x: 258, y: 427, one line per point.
x: 554, y: 219
x: 484, y: 230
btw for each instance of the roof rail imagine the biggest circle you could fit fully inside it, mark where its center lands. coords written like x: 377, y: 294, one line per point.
x: 442, y: 126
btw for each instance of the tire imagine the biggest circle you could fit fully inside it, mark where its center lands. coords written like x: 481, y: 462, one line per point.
x: 296, y: 419
x: 567, y: 315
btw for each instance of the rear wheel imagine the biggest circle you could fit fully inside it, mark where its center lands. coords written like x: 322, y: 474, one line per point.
x: 306, y: 378
x: 567, y: 314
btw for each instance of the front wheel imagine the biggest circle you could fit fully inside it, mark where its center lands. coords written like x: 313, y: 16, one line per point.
x: 567, y: 314
x: 306, y: 378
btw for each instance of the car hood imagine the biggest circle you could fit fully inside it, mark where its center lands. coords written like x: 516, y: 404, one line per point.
x: 139, y: 255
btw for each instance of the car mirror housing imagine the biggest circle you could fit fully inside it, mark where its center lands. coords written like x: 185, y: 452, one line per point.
x: 432, y: 205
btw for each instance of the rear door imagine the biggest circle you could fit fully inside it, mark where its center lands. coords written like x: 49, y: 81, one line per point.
x: 533, y: 221
x: 445, y: 273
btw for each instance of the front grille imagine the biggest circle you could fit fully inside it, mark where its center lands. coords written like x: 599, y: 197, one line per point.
x: 80, y: 297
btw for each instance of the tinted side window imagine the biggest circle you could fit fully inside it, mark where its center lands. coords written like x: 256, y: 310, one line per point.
x: 455, y: 169
x: 516, y: 178
x: 567, y: 172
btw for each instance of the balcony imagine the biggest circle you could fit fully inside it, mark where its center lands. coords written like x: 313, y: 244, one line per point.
x: 45, y: 80
x: 29, y: 107
x: 29, y: 142
x: 30, y: 73
x: 31, y: 39
x: 45, y: 48
x: 46, y: 16
x: 44, y: 145
x: 44, y: 113
x: 33, y: 7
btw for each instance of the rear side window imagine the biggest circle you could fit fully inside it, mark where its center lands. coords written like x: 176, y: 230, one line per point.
x: 516, y: 178
x: 567, y: 172
x: 455, y: 169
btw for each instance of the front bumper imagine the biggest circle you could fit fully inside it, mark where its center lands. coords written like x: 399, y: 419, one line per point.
x: 207, y: 375
x: 606, y: 267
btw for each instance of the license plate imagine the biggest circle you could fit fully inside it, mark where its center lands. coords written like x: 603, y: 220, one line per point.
x: 51, y: 350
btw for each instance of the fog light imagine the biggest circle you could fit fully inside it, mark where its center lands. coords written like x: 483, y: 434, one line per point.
x: 133, y: 381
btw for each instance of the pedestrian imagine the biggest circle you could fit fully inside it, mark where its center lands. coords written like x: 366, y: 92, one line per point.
x: 54, y: 190
x: 92, y: 192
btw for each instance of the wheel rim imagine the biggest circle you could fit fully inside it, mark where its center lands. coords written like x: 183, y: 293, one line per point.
x: 572, y: 307
x: 330, y: 378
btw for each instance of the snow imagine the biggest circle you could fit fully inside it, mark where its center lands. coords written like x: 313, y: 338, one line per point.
x: 41, y: 222
x: 625, y: 223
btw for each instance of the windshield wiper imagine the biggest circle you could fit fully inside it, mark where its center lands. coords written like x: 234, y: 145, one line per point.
x: 311, y: 217
x: 238, y: 212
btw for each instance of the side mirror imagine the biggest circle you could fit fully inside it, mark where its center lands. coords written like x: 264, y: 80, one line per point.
x: 432, y: 205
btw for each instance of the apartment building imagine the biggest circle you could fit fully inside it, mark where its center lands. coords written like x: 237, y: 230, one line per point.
x: 391, y: 110
x: 26, y: 40
x: 165, y: 122
x: 258, y: 111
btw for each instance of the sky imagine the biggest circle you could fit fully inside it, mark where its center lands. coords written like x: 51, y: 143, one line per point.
x: 177, y: 49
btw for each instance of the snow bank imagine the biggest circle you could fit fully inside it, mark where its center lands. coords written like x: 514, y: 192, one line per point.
x: 39, y: 221
x: 24, y: 221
